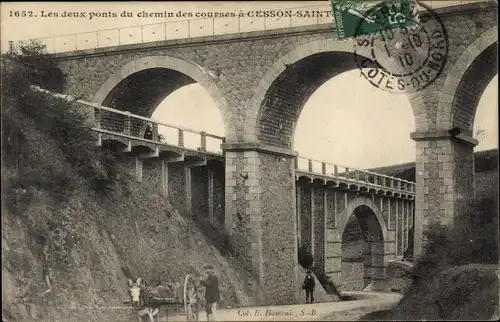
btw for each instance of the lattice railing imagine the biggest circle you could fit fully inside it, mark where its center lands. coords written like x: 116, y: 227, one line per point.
x: 356, y: 175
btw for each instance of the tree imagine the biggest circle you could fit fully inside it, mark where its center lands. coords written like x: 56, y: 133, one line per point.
x: 41, y: 69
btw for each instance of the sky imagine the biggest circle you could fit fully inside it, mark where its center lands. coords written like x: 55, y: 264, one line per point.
x: 362, y: 129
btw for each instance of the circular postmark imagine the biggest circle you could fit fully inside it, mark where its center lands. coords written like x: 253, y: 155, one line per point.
x: 397, y: 52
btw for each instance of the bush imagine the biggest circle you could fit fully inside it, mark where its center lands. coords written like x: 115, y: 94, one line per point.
x: 475, y: 236
x: 473, y: 239
x: 452, y: 279
x: 41, y: 70
x: 32, y: 119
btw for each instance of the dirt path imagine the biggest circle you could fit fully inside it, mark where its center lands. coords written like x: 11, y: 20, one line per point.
x: 342, y: 311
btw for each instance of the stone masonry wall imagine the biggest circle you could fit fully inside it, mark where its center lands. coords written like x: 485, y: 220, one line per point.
x: 445, y: 183
x: 219, y: 200
x: 462, y: 29
x: 242, y: 213
x: 463, y: 174
x: 330, y: 209
x: 151, y: 173
x: 392, y: 213
x: 176, y: 183
x: 279, y: 237
x: 399, y: 225
x: 199, y: 191
x: 242, y: 63
x: 305, y: 214
x: 319, y: 227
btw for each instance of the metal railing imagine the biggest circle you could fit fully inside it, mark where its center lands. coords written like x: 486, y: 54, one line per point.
x: 122, y: 123
x: 126, y: 123
x: 181, y: 29
x: 356, y: 175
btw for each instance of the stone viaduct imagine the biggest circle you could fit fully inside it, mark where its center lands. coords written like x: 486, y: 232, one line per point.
x: 260, y: 81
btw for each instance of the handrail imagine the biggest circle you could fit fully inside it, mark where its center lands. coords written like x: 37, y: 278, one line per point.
x: 125, y: 126
x: 145, y: 140
x: 355, y: 169
x: 150, y: 119
x: 378, y: 178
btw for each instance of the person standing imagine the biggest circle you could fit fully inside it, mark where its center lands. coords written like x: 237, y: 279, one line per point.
x: 212, y: 294
x: 308, y: 285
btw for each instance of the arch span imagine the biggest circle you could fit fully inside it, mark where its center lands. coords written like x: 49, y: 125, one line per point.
x: 142, y: 84
x: 466, y: 82
x: 364, y: 204
x: 372, y: 245
x: 277, y: 101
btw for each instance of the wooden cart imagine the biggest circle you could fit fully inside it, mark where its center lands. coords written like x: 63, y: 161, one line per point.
x: 190, y: 301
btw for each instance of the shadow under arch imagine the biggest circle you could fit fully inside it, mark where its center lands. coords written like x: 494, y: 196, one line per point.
x: 364, y: 214
x: 142, y: 84
x: 466, y: 82
x: 277, y: 101
x: 376, y: 219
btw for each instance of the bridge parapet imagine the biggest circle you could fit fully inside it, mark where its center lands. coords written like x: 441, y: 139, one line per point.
x: 354, y: 179
x: 252, y: 20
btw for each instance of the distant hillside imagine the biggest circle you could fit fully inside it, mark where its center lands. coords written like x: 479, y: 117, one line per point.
x: 485, y: 161
x: 486, y: 166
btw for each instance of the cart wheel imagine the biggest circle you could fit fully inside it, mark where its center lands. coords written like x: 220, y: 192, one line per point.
x: 190, y: 298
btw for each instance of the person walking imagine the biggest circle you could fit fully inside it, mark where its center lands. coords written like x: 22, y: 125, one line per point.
x: 212, y: 294
x: 308, y: 285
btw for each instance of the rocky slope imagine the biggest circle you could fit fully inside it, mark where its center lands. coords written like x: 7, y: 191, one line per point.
x: 73, y: 219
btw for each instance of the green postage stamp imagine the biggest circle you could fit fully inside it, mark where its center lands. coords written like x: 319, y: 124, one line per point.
x: 355, y: 17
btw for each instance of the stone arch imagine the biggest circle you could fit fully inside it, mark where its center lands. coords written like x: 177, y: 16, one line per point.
x: 368, y: 203
x: 464, y: 85
x: 165, y: 69
x: 315, y: 56
x: 370, y: 221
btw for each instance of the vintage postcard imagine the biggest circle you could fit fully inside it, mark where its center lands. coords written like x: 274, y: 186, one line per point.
x: 250, y: 160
